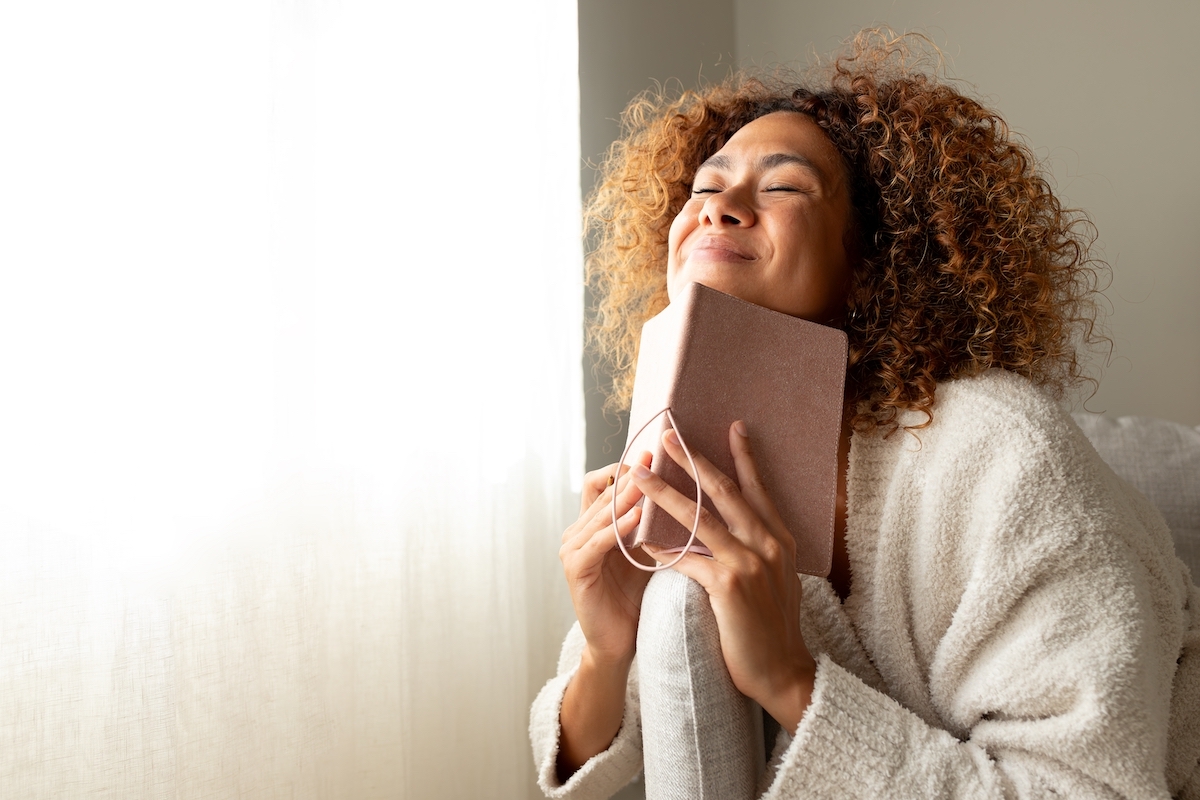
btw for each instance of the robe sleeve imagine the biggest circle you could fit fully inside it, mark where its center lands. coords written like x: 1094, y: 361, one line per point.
x: 1028, y: 620
x: 603, y: 774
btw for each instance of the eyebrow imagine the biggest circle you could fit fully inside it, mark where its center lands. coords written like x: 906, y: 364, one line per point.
x: 769, y: 161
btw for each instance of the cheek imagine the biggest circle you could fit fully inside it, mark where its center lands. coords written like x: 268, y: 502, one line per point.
x: 824, y: 239
x: 680, y: 228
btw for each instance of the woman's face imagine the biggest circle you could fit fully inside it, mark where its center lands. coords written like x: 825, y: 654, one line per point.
x: 766, y: 221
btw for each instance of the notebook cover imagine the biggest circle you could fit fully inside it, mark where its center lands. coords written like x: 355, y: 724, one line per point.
x: 713, y: 358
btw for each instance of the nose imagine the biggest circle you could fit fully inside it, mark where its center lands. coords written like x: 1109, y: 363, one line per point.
x: 727, y: 208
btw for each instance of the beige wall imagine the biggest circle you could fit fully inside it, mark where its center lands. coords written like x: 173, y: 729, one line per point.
x: 1104, y: 90
x: 624, y: 46
x: 1107, y: 92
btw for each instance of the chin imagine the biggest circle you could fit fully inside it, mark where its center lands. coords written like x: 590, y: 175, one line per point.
x: 717, y: 281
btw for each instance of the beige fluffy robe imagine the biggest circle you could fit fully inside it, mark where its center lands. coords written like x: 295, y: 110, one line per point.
x: 1018, y: 626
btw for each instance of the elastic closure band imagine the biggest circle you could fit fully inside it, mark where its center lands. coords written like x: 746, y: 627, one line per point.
x: 616, y: 485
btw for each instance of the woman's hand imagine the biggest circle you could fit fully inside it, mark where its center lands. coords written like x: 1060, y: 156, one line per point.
x: 607, y: 593
x: 751, y: 579
x: 606, y: 590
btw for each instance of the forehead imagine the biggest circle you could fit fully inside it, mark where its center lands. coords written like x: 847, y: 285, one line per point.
x: 787, y: 133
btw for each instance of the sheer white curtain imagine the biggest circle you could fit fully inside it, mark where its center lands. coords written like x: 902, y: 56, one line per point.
x: 289, y: 394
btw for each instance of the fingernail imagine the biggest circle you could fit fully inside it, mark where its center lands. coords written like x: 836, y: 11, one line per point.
x: 641, y: 472
x: 672, y: 437
x: 740, y: 427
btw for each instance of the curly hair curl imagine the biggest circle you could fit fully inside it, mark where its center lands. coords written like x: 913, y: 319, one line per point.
x: 964, y: 260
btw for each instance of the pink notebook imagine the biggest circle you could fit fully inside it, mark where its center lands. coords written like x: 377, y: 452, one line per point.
x: 713, y: 359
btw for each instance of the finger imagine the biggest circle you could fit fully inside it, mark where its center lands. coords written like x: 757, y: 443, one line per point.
x: 763, y: 533
x: 593, y: 486
x: 591, y: 547
x: 698, y: 567
x: 741, y: 518
x: 601, y: 511
x: 715, y: 536
x: 750, y: 479
x: 596, y: 481
x: 620, y: 482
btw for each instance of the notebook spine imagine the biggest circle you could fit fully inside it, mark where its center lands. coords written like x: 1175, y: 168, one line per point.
x: 674, y: 362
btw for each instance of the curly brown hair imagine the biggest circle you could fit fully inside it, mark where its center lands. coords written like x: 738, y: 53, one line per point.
x: 964, y: 260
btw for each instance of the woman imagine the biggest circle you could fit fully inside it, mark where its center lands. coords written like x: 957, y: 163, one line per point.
x: 1004, y: 618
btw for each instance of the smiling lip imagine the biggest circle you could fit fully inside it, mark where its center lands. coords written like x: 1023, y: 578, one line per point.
x: 718, y: 248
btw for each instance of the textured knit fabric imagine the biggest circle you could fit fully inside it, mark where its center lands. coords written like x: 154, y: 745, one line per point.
x: 605, y: 773
x: 701, y: 738
x: 1161, y: 459
x: 1018, y: 625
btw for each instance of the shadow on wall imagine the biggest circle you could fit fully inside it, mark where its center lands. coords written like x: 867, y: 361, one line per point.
x: 624, y: 46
